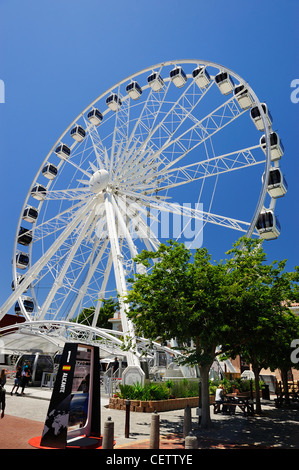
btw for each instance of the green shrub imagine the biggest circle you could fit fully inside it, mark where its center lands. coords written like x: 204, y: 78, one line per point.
x: 184, y: 388
x: 242, y: 385
x: 159, y: 391
x: 152, y: 391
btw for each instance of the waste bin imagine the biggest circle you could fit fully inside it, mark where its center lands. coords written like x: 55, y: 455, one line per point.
x: 266, y: 392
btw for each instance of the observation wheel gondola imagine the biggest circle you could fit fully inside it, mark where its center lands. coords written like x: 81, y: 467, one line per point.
x: 157, y: 153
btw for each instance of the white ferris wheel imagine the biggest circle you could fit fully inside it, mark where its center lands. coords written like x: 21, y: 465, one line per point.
x: 185, y: 141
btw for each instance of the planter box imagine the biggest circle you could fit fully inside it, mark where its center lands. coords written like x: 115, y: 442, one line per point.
x: 156, y: 405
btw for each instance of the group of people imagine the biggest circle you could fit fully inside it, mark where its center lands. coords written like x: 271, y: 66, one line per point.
x: 22, y: 378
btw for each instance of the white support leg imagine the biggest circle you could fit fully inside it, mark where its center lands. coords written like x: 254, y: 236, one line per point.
x: 117, y: 259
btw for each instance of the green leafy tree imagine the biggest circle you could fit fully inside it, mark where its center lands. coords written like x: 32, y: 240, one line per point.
x: 279, y: 352
x: 187, y: 299
x: 234, y: 307
x: 107, y: 310
x: 267, y: 326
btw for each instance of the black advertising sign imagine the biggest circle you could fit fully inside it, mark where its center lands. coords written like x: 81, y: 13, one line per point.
x: 74, y: 409
x: 56, y: 424
x: 96, y: 394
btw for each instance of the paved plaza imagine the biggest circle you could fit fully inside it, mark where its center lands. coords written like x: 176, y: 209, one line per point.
x: 274, y: 429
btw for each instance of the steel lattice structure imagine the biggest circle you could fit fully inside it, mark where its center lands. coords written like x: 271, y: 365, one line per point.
x: 131, y: 157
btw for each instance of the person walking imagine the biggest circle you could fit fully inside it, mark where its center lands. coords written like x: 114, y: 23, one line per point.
x: 17, y: 382
x: 3, y: 374
x: 115, y: 365
x: 25, y: 378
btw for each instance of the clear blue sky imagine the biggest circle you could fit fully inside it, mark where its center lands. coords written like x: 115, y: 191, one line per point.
x: 57, y: 56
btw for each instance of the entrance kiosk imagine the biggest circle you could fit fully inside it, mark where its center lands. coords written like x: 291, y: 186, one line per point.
x: 73, y: 418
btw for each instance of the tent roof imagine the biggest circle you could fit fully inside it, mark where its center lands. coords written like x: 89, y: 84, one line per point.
x: 22, y: 342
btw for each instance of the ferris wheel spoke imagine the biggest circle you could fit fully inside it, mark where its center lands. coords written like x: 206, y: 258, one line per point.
x: 138, y: 214
x: 201, y: 169
x: 134, y: 170
x: 86, y: 152
x: 137, y: 227
x: 40, y: 263
x: 56, y: 223
x: 127, y: 325
x: 97, y: 144
x: 92, y: 262
x: 147, y: 115
x: 59, y: 281
x: 144, y: 128
x: 68, y: 194
x: 214, y: 122
x: 200, y: 131
x: 181, y: 112
x: 123, y: 228
x: 187, y: 211
x: 120, y: 131
x: 71, y: 280
x: 101, y: 293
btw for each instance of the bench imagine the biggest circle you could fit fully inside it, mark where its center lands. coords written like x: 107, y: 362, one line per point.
x: 228, y: 405
x: 231, y: 407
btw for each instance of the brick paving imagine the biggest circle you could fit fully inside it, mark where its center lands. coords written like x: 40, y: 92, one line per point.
x: 15, y: 432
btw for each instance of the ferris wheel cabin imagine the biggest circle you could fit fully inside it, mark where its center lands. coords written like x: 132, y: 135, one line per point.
x: 95, y: 117
x: 78, y: 133
x: 20, y: 279
x: 257, y: 118
x: 178, y: 77
x: 276, y: 147
x: 268, y: 225
x: 39, y: 192
x: 277, y: 185
x: 113, y: 102
x: 201, y: 77
x: 134, y: 90
x: 24, y: 236
x: 22, y: 260
x: 243, y: 97
x: 28, y: 305
x: 155, y: 81
x: 224, y: 82
x: 30, y: 214
x: 50, y: 171
x: 63, y: 151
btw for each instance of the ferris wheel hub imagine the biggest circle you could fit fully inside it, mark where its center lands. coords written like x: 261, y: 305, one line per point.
x: 99, y: 181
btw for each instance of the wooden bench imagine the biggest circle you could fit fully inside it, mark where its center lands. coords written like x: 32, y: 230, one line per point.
x: 231, y: 407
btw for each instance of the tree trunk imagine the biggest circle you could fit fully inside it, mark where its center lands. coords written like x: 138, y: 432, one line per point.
x: 256, y: 370
x: 284, y: 378
x: 205, y: 397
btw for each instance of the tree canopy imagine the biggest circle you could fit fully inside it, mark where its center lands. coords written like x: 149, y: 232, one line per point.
x: 205, y: 304
x: 109, y: 306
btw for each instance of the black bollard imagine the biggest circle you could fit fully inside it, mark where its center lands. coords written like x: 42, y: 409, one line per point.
x: 108, y: 435
x: 127, y: 423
